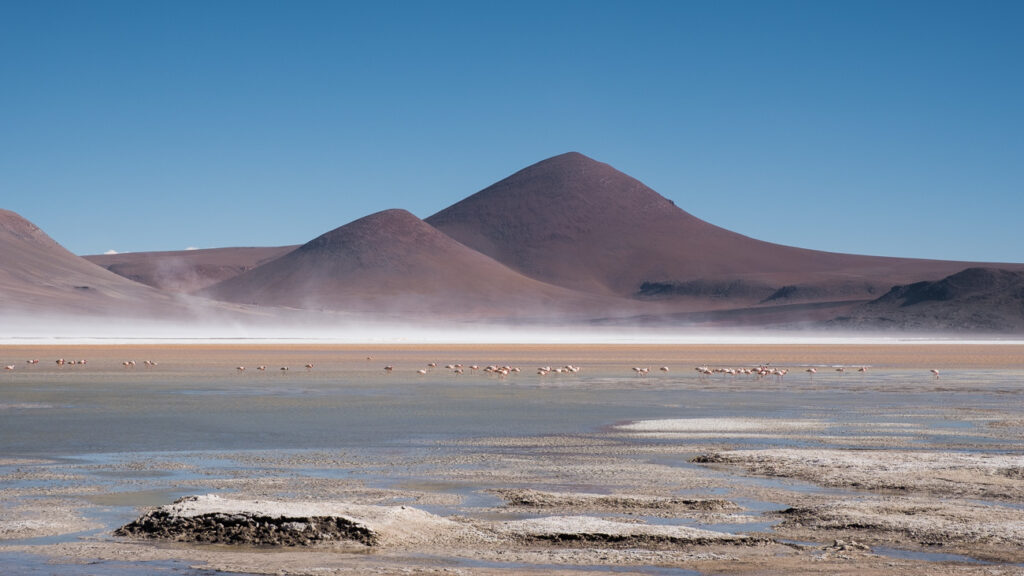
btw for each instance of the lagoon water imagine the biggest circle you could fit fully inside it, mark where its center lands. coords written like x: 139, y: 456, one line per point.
x: 204, y: 403
x: 195, y: 406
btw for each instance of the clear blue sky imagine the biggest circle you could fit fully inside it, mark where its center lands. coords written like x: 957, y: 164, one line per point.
x: 891, y: 128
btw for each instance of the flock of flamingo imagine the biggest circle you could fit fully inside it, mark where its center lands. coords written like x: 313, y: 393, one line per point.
x: 704, y: 370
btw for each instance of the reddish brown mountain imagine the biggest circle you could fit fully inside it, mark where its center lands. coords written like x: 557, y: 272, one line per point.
x: 186, y: 270
x: 38, y: 275
x: 581, y: 224
x: 392, y: 261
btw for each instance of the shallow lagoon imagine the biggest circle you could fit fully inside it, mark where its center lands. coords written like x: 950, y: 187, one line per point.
x: 112, y: 438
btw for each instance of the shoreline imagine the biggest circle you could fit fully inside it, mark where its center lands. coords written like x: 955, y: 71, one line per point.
x: 976, y: 354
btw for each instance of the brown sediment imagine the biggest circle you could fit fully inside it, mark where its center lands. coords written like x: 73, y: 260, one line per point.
x: 996, y: 476
x: 989, y: 532
x: 538, y: 499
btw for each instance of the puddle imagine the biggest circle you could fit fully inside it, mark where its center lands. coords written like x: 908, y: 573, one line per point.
x: 925, y: 556
x: 903, y: 554
x: 50, y: 540
x: 522, y: 566
x: 470, y: 495
x: 138, y: 498
x: 19, y: 564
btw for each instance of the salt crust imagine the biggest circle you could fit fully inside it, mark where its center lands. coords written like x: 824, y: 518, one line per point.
x: 721, y: 425
x: 577, y: 526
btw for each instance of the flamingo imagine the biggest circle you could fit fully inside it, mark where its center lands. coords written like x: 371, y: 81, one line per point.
x: 389, y: 368
x: 9, y: 367
x: 421, y: 371
x: 240, y: 368
x: 935, y: 373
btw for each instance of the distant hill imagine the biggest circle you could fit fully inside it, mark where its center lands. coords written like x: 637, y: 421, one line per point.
x: 393, y: 262
x: 973, y: 300
x: 187, y: 270
x: 578, y: 223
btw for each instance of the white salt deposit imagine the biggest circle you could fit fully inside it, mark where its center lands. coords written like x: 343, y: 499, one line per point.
x: 722, y: 425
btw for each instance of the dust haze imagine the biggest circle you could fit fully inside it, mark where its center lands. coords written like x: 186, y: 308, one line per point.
x: 298, y: 326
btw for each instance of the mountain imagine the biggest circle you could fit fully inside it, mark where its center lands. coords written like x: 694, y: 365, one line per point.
x: 393, y: 262
x: 973, y: 300
x: 187, y: 270
x: 581, y: 224
x: 38, y: 275
x: 566, y: 240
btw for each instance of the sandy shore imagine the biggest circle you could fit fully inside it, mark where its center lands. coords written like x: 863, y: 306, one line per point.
x: 912, y: 488
x: 907, y: 354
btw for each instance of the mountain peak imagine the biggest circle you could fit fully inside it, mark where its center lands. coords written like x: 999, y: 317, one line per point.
x: 17, y: 227
x: 570, y: 176
x: 367, y: 236
x: 556, y: 220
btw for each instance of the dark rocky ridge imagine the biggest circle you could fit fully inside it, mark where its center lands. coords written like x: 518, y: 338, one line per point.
x: 973, y: 300
x: 245, y: 528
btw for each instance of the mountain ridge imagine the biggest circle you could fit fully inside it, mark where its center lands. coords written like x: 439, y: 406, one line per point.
x: 575, y: 222
x: 565, y: 239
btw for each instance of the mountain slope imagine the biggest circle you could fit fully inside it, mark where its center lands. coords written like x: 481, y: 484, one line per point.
x: 187, y: 270
x: 392, y: 261
x: 575, y: 222
x: 38, y: 275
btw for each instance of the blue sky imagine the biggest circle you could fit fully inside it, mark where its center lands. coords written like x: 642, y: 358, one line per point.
x: 890, y: 128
